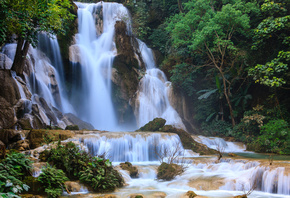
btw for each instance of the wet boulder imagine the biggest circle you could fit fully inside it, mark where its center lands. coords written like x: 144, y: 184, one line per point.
x: 132, y: 169
x: 21, y: 145
x: 73, y: 186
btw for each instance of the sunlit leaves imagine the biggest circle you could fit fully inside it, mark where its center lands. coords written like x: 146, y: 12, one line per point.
x: 29, y: 17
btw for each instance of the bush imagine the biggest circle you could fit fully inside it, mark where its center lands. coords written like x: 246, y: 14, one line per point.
x: 52, y: 180
x: 217, y: 128
x: 96, y: 172
x: 274, y: 138
x: 12, y: 171
x: 168, y: 171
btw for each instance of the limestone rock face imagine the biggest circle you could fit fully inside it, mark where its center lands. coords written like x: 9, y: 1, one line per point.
x: 71, y: 119
x: 185, y: 108
x: 5, y: 62
x: 9, y: 96
x: 8, y: 136
x: 74, y: 54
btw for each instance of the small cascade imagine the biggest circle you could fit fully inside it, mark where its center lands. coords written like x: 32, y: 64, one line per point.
x: 219, y: 143
x: 50, y: 46
x: 133, y: 147
x: 97, y: 51
x: 20, y: 88
x: 153, y: 93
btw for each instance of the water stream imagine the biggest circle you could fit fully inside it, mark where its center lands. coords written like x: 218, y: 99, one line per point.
x: 203, y: 175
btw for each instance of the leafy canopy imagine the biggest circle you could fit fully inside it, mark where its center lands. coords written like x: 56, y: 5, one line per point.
x: 29, y: 17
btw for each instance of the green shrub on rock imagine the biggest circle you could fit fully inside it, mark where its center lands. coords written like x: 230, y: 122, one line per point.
x: 153, y: 125
x: 96, y: 172
x: 52, y: 180
x: 13, y: 169
x: 168, y: 171
x: 72, y: 127
x: 274, y: 138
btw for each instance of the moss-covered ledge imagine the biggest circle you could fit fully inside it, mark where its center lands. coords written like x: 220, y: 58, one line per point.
x: 158, y: 125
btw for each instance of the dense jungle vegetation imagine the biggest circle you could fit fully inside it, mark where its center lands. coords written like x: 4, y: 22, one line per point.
x: 230, y: 58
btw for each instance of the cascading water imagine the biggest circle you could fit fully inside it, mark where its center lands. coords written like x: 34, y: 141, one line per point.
x: 203, y: 175
x: 136, y: 147
x: 97, y: 51
x: 219, y: 143
x: 153, y: 93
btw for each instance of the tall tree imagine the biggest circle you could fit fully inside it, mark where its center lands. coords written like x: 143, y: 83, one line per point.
x: 27, y: 18
x: 210, y: 27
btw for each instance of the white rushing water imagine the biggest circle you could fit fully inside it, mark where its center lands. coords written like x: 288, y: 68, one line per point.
x: 219, y: 143
x: 135, y: 147
x: 153, y: 93
x: 203, y: 176
x: 97, y: 49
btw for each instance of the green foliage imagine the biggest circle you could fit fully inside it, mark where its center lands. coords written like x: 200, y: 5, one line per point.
x: 217, y: 128
x: 93, y: 171
x: 183, y: 76
x: 274, y: 138
x: 272, y: 74
x: 274, y: 28
x: 12, y: 171
x: 27, y: 18
x: 52, y: 180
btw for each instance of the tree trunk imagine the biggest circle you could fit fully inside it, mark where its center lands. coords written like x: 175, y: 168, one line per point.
x: 180, y: 6
x: 20, y: 56
x: 229, y: 102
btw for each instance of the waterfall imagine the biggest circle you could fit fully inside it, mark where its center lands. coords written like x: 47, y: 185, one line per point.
x: 50, y: 46
x: 97, y: 52
x: 134, y: 147
x: 153, y: 93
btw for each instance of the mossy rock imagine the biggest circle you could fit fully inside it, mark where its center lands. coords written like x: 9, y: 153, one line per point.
x: 153, y: 125
x: 188, y: 142
x: 37, y: 137
x: 72, y: 127
x: 191, y: 194
x: 132, y: 169
x: 168, y: 172
x: 241, y: 196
